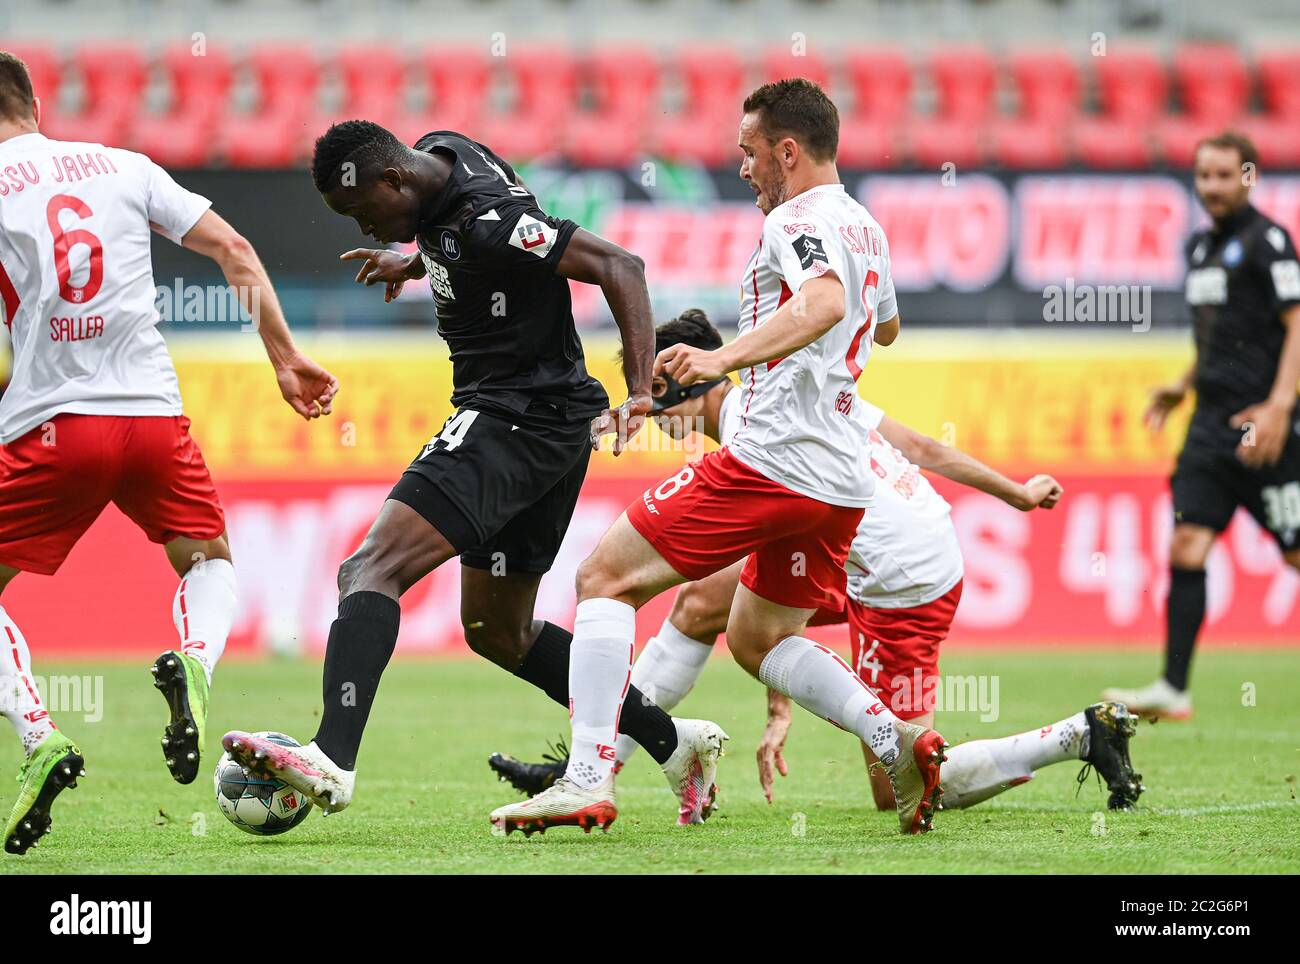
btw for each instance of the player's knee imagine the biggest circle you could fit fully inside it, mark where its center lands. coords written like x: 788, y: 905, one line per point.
x: 503, y: 643
x: 355, y: 573
x: 594, y: 580
x: 1189, y: 547
x: 697, y: 615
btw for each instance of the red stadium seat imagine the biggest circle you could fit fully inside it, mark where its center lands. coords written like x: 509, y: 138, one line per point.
x: 623, y: 80
x: 706, y: 139
x: 175, y: 140
x: 1047, y: 84
x: 871, y: 144
x: 780, y: 62
x: 115, y: 76
x: 200, y: 85
x: 966, y: 80
x: 606, y: 140
x: 1212, y: 81
x: 1279, y: 81
x: 1176, y: 138
x: 264, y: 140
x: 1278, y: 141
x: 545, y: 81
x: 1106, y: 143
x: 713, y: 78
x: 881, y: 79
x: 936, y: 141
x: 43, y: 66
x: 1131, y: 85
x: 520, y: 137
x: 458, y: 79
x: 374, y: 79
x: 287, y: 78
x: 1028, y: 144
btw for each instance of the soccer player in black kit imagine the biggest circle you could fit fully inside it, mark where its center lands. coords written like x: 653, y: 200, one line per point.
x: 497, y: 486
x: 1243, y: 445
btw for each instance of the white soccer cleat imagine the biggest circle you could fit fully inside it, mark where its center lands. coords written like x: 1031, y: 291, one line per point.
x: 1158, y: 700
x: 692, y: 767
x: 564, y: 804
x: 305, y: 768
x: 914, y: 775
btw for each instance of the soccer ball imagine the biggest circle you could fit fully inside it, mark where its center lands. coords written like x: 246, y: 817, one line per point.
x: 256, y: 805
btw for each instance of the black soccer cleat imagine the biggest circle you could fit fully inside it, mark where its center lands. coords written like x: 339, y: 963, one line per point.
x: 531, y: 779
x: 184, y: 685
x: 1110, y: 727
x: 51, y: 770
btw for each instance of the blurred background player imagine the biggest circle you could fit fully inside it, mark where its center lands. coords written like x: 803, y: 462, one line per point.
x: 787, y: 491
x: 904, y: 584
x: 92, y: 414
x: 498, y: 484
x: 1243, y: 445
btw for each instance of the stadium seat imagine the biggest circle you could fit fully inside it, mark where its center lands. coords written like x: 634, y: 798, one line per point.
x: 1107, y: 143
x: 1278, y: 140
x: 545, y: 82
x: 199, y: 84
x: 287, y: 79
x: 935, y: 141
x: 881, y: 81
x: 374, y: 79
x: 605, y: 140
x: 705, y: 139
x: 1131, y: 85
x: 965, y: 79
x: 1212, y: 81
x: 43, y: 66
x: 622, y: 80
x: 712, y: 78
x: 1024, y: 143
x: 1176, y: 138
x: 458, y: 81
x: 872, y: 144
x: 114, y: 76
x: 1279, y: 81
x: 264, y: 141
x: 1047, y: 85
x: 779, y: 62
x: 174, y: 140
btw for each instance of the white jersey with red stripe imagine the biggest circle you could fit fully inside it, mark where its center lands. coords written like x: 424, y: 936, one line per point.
x: 796, y: 424
x: 76, y: 280
x: 905, y: 552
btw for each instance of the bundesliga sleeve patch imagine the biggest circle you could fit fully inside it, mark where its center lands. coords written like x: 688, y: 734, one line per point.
x: 532, y: 235
x: 1286, y: 279
x: 809, y: 250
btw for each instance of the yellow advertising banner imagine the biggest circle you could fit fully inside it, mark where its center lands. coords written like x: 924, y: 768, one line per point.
x: 1018, y: 400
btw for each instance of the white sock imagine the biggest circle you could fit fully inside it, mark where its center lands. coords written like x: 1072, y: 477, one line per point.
x: 981, y: 769
x: 822, y: 683
x: 20, y: 701
x: 665, y: 672
x: 600, y: 671
x: 204, y: 610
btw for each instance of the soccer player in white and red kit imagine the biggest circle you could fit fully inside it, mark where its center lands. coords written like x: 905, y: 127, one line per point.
x: 788, y: 491
x: 92, y: 413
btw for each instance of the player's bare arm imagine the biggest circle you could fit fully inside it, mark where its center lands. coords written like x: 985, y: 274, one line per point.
x: 621, y: 277
x: 1165, y: 398
x: 382, y: 266
x: 1271, y: 418
x: 308, y: 388
x: 816, y: 309
x: 887, y: 331
x: 1041, y: 491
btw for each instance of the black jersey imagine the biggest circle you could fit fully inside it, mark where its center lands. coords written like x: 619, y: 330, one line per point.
x: 491, y: 254
x: 1241, y: 275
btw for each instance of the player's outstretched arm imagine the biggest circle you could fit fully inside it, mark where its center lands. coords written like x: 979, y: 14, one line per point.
x: 813, y: 311
x: 1271, y: 418
x: 952, y: 463
x: 621, y: 276
x: 886, y: 332
x: 307, y: 387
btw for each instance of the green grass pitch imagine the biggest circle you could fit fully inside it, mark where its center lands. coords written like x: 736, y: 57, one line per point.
x: 1221, y: 790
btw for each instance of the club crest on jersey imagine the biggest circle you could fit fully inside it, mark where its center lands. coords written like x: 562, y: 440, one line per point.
x: 450, y: 246
x: 532, y: 235
x: 1232, y: 253
x: 809, y: 249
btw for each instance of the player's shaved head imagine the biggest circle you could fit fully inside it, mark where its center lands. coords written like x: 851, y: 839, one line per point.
x: 17, y: 101
x: 797, y: 108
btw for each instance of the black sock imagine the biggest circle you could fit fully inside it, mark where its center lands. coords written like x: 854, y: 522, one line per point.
x: 546, y: 666
x: 1184, y: 613
x: 360, y: 644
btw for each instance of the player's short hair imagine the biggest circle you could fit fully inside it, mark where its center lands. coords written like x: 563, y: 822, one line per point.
x: 1233, y: 140
x: 692, y: 327
x: 798, y: 108
x: 367, y: 146
x: 17, y: 101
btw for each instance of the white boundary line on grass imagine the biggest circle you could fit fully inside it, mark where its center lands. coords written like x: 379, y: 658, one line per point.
x: 1160, y: 811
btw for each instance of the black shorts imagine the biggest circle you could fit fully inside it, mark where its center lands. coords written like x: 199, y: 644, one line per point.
x: 502, y: 494
x: 1210, y: 482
